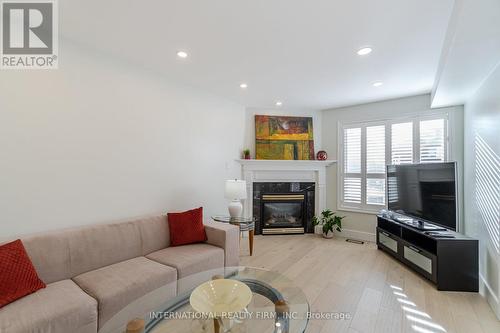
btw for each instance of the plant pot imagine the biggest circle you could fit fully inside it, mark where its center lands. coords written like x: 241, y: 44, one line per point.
x: 318, y: 230
x: 247, y: 157
x: 329, y: 234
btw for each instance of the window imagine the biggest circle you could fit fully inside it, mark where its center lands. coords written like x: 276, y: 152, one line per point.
x: 375, y: 165
x: 432, y: 140
x: 352, y: 165
x: 366, y: 149
x: 375, y: 149
x: 402, y: 143
x: 352, y: 141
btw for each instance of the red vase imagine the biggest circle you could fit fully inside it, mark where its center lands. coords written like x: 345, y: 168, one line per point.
x: 321, y: 155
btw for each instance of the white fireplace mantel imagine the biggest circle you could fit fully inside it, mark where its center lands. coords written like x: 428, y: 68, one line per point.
x: 261, y: 171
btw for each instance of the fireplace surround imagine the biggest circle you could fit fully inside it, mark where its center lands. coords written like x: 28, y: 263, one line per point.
x: 282, y: 177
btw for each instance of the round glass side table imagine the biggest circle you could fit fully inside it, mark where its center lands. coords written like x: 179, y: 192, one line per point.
x: 244, y: 223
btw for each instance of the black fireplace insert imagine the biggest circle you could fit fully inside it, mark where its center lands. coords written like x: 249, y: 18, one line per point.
x: 283, y: 213
x: 286, y: 214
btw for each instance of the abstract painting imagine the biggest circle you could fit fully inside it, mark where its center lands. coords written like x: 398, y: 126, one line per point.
x: 284, y: 138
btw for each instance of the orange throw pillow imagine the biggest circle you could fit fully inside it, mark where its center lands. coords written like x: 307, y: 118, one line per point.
x: 18, y: 277
x: 186, y: 227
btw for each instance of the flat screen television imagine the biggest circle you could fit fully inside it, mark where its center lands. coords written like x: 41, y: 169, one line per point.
x: 426, y: 192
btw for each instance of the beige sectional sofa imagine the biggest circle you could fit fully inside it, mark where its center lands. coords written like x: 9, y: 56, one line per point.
x: 93, y: 272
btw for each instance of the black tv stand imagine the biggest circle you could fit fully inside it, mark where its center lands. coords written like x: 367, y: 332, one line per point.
x: 447, y: 258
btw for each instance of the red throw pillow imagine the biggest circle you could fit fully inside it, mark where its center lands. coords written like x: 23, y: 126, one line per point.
x: 18, y: 277
x: 186, y: 227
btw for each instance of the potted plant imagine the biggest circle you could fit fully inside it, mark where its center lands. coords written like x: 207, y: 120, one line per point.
x: 246, y: 154
x: 329, y: 221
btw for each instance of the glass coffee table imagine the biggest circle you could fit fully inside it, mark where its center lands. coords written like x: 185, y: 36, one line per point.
x: 244, y: 223
x: 277, y: 306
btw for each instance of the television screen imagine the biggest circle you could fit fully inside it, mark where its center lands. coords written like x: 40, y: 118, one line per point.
x: 424, y: 191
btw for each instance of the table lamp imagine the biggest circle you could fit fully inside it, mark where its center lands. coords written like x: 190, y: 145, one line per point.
x: 235, y: 191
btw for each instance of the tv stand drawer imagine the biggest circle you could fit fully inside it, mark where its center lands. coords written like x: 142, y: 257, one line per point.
x: 387, y: 240
x: 415, y: 256
x: 420, y: 260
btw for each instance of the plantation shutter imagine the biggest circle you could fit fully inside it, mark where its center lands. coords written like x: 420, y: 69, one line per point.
x: 375, y: 149
x: 369, y: 146
x: 402, y: 143
x: 352, y: 165
x: 432, y: 145
x: 352, y: 190
x: 375, y: 165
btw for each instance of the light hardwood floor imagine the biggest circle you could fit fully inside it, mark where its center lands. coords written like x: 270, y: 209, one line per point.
x: 380, y: 294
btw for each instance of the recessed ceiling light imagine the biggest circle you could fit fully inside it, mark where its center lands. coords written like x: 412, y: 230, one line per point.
x: 182, y: 54
x: 377, y: 84
x: 243, y: 86
x: 279, y: 103
x: 365, y: 51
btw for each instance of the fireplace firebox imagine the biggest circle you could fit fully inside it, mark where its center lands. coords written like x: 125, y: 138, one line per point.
x: 283, y: 213
x: 281, y: 208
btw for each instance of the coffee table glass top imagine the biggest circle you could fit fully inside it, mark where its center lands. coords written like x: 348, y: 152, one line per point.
x: 277, y: 305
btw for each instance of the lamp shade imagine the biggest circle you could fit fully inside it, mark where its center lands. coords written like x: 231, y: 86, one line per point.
x: 236, y: 189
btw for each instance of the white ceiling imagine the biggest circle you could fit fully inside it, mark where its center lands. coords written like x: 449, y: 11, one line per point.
x: 471, y: 51
x: 302, y: 52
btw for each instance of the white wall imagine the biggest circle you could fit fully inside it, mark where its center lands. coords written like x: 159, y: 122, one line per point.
x: 482, y: 185
x: 469, y: 71
x: 361, y: 225
x: 250, y: 124
x: 98, y: 141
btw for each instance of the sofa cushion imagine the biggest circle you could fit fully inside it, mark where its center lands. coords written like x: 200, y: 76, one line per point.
x: 64, y: 254
x: 62, y: 307
x: 50, y: 255
x: 186, y: 227
x: 189, y: 260
x: 155, y: 233
x: 18, y: 277
x: 98, y: 246
x: 117, y: 285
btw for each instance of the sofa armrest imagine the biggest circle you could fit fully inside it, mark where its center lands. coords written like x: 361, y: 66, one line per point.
x: 226, y: 236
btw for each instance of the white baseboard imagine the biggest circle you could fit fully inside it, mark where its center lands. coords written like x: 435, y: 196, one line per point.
x: 359, y: 235
x: 485, y: 290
